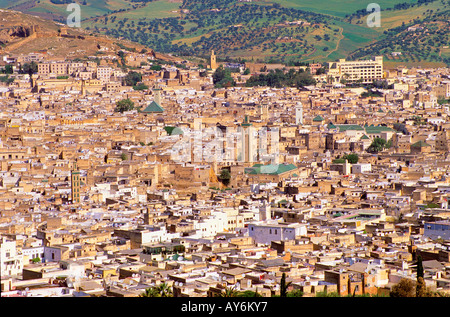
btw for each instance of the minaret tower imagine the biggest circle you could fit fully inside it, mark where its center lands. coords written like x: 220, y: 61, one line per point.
x: 213, y: 61
x: 299, y: 114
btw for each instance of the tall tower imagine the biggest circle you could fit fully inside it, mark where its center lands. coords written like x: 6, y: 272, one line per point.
x: 299, y: 114
x: 75, y: 184
x: 157, y: 92
x: 263, y: 112
x: 247, y: 141
x: 83, y: 88
x: 213, y: 61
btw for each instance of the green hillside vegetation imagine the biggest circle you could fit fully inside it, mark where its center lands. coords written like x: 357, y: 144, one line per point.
x: 266, y: 30
x: 253, y: 31
x: 419, y: 33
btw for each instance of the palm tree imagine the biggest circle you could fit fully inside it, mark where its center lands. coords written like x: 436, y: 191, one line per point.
x: 150, y: 292
x: 161, y: 290
x: 229, y: 292
x: 165, y: 290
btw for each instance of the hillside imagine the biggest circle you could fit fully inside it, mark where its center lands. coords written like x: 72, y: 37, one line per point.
x: 411, y: 34
x: 23, y: 34
x: 288, y: 31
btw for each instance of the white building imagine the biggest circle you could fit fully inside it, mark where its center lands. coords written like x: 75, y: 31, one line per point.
x: 212, y: 225
x: 11, y: 261
x: 33, y: 253
x: 361, y: 168
x: 266, y: 232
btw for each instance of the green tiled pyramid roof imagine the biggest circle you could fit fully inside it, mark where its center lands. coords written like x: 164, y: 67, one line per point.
x: 331, y: 126
x: 420, y: 144
x: 318, y: 118
x: 153, y: 107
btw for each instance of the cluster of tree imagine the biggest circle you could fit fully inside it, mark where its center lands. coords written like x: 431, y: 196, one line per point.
x: 161, y: 290
x: 399, y: 6
x: 278, y: 78
x: 401, y: 127
x: 29, y: 68
x: 444, y: 101
x: 222, y: 36
x: 124, y: 105
x: 378, y: 145
x: 424, y: 44
x: 352, y: 158
x: 8, y: 69
x: 222, y: 77
x: 225, y: 176
x: 132, y: 78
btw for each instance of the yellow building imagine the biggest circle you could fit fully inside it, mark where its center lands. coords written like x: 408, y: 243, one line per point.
x: 213, y: 61
x: 352, y: 71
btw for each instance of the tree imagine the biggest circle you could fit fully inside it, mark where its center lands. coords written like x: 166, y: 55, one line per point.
x: 352, y: 158
x: 124, y: 105
x: 378, y: 145
x: 295, y: 293
x: 404, y: 288
x: 420, y: 287
x: 156, y: 67
x: 419, y: 267
x: 161, y: 290
x: 222, y: 77
x: 284, y: 286
x: 132, y: 78
x: 123, y: 157
x: 8, y: 69
x: 229, y: 292
x: 30, y: 68
x: 140, y: 86
x: 225, y: 176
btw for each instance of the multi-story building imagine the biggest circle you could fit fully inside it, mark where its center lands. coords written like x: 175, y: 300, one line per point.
x: 352, y: 71
x: 104, y: 74
x: 11, y: 261
x: 57, y: 68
